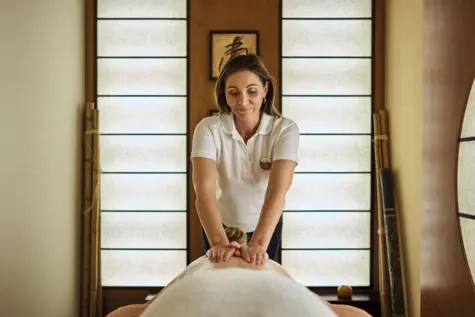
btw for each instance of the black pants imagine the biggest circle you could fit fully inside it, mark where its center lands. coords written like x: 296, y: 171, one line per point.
x: 274, y: 243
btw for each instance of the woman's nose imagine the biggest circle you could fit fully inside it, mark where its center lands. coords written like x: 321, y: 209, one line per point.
x: 242, y: 99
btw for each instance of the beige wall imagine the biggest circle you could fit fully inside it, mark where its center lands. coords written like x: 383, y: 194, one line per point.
x: 41, y: 88
x: 404, y: 103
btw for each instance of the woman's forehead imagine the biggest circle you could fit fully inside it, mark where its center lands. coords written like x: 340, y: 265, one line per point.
x: 243, y: 79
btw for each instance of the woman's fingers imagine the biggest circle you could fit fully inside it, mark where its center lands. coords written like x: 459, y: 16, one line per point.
x: 229, y: 253
x: 213, y: 256
x: 249, y: 254
x: 245, y: 254
x: 221, y: 253
x: 253, y: 258
x: 234, y: 244
x: 258, y: 258
x: 220, y: 256
x: 254, y: 255
x: 216, y: 256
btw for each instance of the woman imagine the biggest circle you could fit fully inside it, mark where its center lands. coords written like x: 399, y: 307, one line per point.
x: 243, y: 162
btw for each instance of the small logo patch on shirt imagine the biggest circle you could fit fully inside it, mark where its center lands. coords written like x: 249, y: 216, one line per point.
x: 266, y: 164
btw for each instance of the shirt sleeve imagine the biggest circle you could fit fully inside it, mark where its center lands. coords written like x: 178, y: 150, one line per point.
x: 287, y: 145
x: 203, y: 144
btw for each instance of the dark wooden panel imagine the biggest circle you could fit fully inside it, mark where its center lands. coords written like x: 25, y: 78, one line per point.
x: 449, y: 67
x: 90, y: 44
x: 379, y: 55
x: 118, y: 297
x: 207, y: 15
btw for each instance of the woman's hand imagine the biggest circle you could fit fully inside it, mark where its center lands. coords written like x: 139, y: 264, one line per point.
x: 221, y: 253
x: 254, y: 254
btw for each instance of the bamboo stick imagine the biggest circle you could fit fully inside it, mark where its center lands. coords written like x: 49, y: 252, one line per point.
x: 383, y: 271
x: 91, y: 302
x: 96, y: 289
x: 384, y: 128
x: 86, y: 215
x: 384, y: 149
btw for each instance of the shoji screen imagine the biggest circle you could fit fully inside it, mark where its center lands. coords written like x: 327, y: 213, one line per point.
x: 142, y: 97
x: 327, y: 90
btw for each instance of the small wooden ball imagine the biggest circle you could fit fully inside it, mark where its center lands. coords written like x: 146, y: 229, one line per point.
x: 345, y: 291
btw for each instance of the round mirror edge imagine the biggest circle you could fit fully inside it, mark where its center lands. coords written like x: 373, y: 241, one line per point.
x: 466, y: 134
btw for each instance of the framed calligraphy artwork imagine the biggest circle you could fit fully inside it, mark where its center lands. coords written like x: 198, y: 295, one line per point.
x: 227, y: 44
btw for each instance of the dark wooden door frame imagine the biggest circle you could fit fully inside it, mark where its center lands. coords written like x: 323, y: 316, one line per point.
x: 448, y: 72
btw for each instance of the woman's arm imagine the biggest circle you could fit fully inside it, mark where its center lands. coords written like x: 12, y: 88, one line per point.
x: 280, y: 179
x: 285, y: 157
x: 204, y: 183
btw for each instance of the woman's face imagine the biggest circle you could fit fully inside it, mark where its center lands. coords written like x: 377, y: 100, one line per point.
x: 244, y: 94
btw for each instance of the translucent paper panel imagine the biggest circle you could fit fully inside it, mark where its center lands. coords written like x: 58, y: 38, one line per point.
x: 143, y: 192
x: 326, y: 230
x: 326, y: 38
x: 141, y: 38
x: 329, y: 192
x: 468, y: 234
x: 466, y: 174
x: 329, y: 114
x: 142, y: 115
x: 141, y: 76
x: 141, y: 9
x: 130, y: 153
x: 336, y: 153
x: 326, y: 8
x: 328, y: 268
x: 141, y: 268
x: 468, y: 127
x: 326, y: 76
x: 143, y: 230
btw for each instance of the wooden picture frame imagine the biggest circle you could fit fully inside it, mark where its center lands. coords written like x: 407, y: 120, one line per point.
x: 225, y: 44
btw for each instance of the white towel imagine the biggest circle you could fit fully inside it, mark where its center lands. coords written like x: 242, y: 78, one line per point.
x: 237, y: 292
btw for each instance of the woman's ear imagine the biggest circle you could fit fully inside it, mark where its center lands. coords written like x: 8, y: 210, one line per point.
x: 266, y: 88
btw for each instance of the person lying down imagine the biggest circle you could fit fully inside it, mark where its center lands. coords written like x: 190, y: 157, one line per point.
x: 235, y: 288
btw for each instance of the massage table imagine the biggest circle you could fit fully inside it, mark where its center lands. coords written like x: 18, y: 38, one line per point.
x: 135, y: 310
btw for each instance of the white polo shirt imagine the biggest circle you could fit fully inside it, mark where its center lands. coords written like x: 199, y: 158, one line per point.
x: 241, y: 181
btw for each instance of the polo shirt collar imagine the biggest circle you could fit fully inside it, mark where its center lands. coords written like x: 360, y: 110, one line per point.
x: 229, y: 127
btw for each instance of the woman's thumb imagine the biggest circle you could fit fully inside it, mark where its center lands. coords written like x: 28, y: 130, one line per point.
x: 234, y: 244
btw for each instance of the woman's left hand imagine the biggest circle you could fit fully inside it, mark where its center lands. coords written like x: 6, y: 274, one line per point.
x: 254, y: 254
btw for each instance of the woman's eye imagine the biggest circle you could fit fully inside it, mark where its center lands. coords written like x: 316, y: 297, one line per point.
x: 233, y: 93
x: 252, y: 92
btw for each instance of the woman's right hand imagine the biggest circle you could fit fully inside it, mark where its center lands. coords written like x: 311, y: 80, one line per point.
x: 221, y: 253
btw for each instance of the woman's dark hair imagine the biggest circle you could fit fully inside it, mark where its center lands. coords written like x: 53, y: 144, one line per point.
x: 254, y: 64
